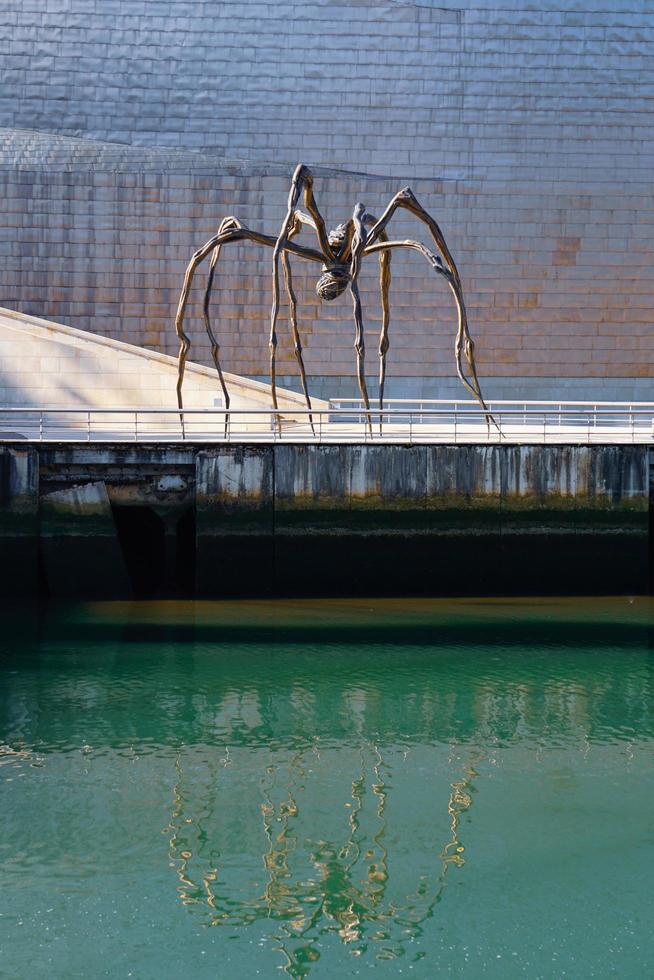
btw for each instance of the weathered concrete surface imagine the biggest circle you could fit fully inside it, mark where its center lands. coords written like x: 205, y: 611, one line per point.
x: 424, y: 519
x: 134, y: 475
x: 234, y: 521
x: 576, y: 516
x: 79, y: 546
x: 349, y: 519
x: 19, y: 508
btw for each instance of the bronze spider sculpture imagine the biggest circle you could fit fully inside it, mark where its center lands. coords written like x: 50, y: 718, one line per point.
x: 339, y: 256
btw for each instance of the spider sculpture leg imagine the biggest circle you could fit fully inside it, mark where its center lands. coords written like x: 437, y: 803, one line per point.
x: 384, y: 286
x: 297, y: 343
x: 463, y: 344
x: 358, y: 245
x: 225, y: 224
x: 384, y: 343
x: 232, y: 234
x: 302, y: 181
x: 437, y: 265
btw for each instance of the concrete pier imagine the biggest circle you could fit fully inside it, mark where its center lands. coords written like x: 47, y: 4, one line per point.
x: 80, y: 552
x: 340, y: 519
x: 19, y: 531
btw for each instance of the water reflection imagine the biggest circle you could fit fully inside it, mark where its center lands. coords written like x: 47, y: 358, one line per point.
x: 309, y: 883
x: 318, y: 799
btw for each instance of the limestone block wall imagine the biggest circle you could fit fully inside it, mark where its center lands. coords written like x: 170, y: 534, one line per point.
x: 46, y: 364
x: 133, y: 126
x: 557, y: 283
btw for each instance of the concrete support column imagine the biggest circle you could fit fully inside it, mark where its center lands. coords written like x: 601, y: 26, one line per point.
x: 235, y: 521
x: 19, y: 510
x: 81, y: 553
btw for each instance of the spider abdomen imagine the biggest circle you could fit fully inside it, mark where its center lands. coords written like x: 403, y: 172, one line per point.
x: 332, y: 282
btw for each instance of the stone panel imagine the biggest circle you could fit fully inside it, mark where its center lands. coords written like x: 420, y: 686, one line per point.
x: 234, y: 521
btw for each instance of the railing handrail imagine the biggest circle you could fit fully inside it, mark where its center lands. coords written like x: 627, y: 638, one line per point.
x: 628, y: 408
x: 450, y: 422
x: 490, y: 401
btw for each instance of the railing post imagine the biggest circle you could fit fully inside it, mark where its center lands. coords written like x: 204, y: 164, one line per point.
x: 136, y: 426
x: 41, y: 426
x: 88, y: 426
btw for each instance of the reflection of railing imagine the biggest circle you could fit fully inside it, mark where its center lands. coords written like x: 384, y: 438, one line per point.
x: 401, y: 421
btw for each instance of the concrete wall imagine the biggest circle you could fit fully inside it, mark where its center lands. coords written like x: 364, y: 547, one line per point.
x: 133, y: 127
x: 19, y: 529
x: 48, y: 364
x: 80, y: 552
x: 423, y: 519
x: 297, y: 520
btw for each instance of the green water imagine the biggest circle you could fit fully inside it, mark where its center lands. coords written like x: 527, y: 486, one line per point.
x: 330, y: 789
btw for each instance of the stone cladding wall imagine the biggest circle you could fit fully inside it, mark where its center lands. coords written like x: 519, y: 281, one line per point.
x: 525, y: 128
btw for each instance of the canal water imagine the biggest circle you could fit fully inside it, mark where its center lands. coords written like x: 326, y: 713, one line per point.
x: 327, y: 789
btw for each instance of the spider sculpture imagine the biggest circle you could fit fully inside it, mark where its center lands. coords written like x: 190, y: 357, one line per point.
x: 340, y: 254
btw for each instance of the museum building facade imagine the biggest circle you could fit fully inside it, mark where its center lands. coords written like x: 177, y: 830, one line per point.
x: 132, y: 127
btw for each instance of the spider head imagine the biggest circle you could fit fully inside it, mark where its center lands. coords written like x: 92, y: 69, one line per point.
x: 332, y: 282
x: 337, y: 236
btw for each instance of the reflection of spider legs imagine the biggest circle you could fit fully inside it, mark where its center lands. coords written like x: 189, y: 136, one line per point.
x: 232, y: 234
x: 464, y: 344
x: 459, y: 802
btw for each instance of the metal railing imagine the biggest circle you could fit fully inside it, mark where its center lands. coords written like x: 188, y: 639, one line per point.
x: 401, y: 422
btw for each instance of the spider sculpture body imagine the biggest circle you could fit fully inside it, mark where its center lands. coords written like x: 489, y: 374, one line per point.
x: 340, y: 254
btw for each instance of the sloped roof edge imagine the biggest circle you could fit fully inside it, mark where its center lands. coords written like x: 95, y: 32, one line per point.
x: 60, y: 332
